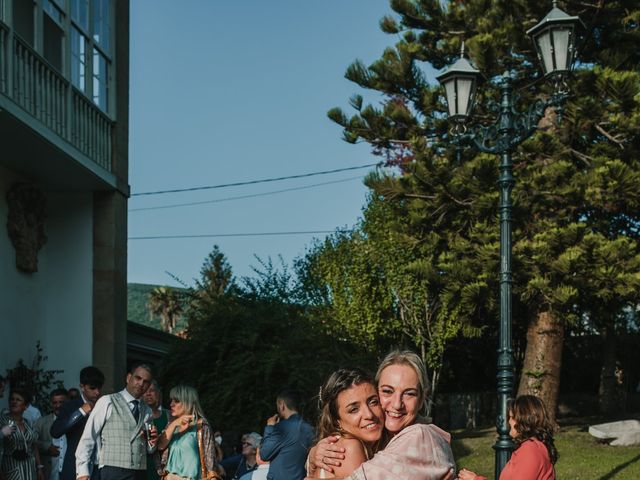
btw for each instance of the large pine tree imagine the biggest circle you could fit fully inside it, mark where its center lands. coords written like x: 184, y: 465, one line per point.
x: 576, y: 199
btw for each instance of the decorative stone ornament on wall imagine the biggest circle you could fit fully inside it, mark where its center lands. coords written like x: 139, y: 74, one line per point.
x: 25, y: 224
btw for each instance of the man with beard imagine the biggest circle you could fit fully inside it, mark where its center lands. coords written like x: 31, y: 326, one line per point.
x: 116, y: 429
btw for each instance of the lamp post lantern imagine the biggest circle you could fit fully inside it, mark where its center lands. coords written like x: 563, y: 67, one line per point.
x: 460, y: 81
x: 554, y: 38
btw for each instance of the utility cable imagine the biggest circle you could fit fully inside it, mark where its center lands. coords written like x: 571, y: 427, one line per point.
x: 240, y: 197
x: 255, y: 234
x: 252, y: 182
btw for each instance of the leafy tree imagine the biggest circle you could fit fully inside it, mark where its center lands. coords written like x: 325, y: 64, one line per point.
x: 576, y: 179
x: 216, y: 275
x: 249, y: 342
x: 385, y: 288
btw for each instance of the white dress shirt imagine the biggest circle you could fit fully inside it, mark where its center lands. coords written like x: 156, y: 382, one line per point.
x: 31, y: 414
x: 91, y: 436
x: 56, y: 462
x: 259, y: 473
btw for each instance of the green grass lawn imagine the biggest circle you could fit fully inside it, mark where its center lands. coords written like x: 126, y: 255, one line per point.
x: 581, y: 456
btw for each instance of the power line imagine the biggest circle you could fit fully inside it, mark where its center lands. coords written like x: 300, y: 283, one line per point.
x: 254, y: 234
x: 240, y: 197
x: 252, y: 182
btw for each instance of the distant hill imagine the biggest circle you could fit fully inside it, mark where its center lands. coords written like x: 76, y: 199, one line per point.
x: 137, y: 297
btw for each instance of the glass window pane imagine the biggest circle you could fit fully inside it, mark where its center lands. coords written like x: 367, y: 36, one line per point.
x: 23, y: 20
x: 561, y: 48
x: 101, y: 27
x: 544, y: 45
x: 100, y: 80
x: 80, y: 13
x: 53, y: 11
x: 450, y: 91
x: 78, y: 59
x: 53, y: 42
x: 464, y: 95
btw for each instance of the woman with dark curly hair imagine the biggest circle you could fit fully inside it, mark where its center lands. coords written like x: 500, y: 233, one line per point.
x: 535, y: 452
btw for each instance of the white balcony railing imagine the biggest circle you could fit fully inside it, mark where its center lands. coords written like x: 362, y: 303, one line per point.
x: 30, y: 82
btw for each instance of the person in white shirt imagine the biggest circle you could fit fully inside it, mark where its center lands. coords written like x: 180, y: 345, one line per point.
x: 50, y: 448
x: 31, y: 414
x: 116, y: 428
x: 259, y: 473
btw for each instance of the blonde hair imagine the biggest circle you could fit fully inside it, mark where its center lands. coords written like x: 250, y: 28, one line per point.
x: 411, y: 359
x: 189, y: 398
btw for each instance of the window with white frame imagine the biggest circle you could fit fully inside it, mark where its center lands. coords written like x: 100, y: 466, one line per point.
x: 53, y: 32
x: 24, y: 20
x: 90, y: 49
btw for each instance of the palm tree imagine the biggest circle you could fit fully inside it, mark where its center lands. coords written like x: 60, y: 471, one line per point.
x: 164, y: 301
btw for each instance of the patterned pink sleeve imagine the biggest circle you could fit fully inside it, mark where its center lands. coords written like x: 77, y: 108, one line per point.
x: 419, y: 452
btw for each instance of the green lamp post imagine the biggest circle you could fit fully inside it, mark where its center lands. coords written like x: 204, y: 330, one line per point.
x: 554, y: 38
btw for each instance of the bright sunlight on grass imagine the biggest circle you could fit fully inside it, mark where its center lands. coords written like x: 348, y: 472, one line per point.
x: 581, y: 456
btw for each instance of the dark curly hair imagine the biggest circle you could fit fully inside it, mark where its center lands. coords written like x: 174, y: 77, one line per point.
x: 338, y: 381
x: 532, y: 421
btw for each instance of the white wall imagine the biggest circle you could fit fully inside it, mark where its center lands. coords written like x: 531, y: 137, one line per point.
x: 53, y: 305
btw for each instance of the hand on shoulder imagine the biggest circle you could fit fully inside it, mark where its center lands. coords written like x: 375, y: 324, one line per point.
x: 355, y: 455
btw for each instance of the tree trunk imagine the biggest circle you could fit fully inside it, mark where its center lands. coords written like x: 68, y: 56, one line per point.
x: 608, y: 398
x: 543, y: 361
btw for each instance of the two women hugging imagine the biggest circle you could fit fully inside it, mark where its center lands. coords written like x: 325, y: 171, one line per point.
x: 372, y: 429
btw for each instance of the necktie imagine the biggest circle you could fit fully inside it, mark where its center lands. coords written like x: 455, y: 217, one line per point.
x: 136, y: 409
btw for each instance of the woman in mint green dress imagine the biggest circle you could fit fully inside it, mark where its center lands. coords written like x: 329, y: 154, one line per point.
x: 188, y: 439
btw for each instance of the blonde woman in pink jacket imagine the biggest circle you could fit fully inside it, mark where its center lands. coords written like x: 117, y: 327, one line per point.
x: 416, y: 450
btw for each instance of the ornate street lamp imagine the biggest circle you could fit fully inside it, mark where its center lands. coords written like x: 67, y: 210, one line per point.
x: 555, y: 41
x: 459, y: 81
x: 554, y: 38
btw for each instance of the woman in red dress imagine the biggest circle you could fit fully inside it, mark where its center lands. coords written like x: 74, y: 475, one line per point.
x: 535, y: 452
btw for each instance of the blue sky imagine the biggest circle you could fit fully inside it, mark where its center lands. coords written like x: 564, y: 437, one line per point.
x: 230, y: 91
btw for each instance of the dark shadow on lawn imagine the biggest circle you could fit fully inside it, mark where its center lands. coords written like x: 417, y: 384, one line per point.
x: 459, y: 449
x: 619, y: 468
x: 462, y: 434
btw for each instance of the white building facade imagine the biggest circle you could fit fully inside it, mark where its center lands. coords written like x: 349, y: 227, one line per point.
x: 64, y: 75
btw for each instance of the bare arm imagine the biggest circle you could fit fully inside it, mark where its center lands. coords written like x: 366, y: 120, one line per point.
x: 181, y: 423
x: 326, y: 454
x: 354, y: 454
x: 39, y: 465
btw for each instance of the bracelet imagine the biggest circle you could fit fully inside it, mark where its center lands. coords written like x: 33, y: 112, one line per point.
x: 40, y: 466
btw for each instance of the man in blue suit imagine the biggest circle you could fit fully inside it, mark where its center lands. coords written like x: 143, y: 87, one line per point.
x: 287, y: 439
x: 73, y: 417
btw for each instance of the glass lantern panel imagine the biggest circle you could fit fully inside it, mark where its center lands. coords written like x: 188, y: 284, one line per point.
x: 546, y: 51
x: 450, y: 92
x: 465, y: 85
x: 561, y: 48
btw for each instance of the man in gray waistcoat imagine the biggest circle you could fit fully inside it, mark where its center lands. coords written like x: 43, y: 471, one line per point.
x: 116, y: 429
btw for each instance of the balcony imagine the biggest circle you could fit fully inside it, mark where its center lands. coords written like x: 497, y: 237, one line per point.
x: 38, y: 89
